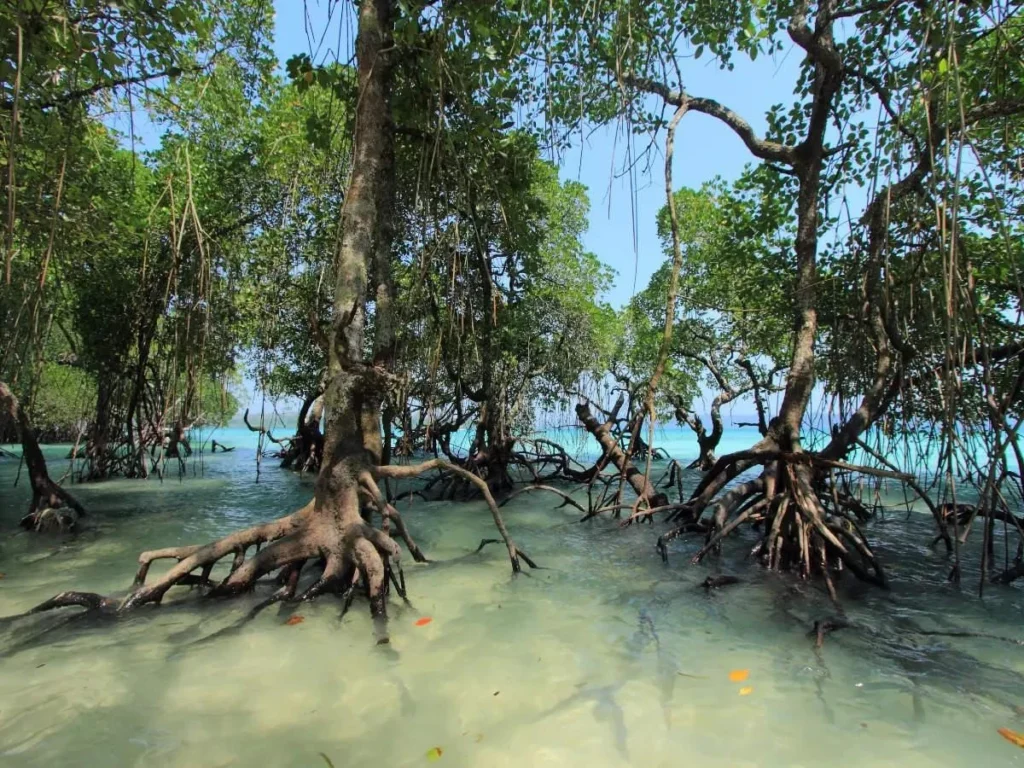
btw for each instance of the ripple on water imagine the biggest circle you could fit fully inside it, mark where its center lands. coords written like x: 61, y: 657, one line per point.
x: 607, y: 658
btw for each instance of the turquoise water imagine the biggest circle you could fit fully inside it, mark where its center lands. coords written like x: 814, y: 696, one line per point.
x: 912, y: 452
x: 679, y: 442
x: 606, y: 658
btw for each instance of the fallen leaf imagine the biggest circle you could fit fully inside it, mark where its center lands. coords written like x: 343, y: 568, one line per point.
x: 327, y: 760
x: 293, y: 620
x: 739, y: 675
x: 424, y: 621
x: 1012, y: 736
x: 2, y: 575
x: 434, y: 754
x: 496, y: 693
x: 479, y: 738
x: 746, y: 690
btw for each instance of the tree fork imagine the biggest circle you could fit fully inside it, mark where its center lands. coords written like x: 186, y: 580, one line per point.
x: 331, y: 528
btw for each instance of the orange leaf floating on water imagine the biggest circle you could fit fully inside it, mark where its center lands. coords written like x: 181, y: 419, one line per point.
x: 746, y: 690
x: 293, y: 620
x: 434, y: 754
x: 1012, y: 736
x: 739, y: 675
x: 424, y: 621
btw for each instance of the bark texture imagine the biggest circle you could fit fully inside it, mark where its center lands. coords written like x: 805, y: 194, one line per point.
x: 52, y: 508
x: 335, y: 529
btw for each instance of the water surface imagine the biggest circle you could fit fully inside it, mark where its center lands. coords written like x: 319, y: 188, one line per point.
x: 605, y: 658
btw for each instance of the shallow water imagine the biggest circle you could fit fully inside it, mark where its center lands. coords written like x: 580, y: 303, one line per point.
x: 605, y: 658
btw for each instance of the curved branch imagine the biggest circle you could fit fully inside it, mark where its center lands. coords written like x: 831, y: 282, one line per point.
x: 761, y: 148
x: 567, y: 499
x: 415, y: 470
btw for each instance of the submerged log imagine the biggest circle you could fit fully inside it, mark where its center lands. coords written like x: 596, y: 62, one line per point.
x: 717, y: 582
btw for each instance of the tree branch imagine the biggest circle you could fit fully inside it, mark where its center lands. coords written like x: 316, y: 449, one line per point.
x: 761, y: 148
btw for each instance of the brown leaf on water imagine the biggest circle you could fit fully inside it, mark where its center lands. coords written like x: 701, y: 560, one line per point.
x: 293, y: 620
x: 1012, y: 736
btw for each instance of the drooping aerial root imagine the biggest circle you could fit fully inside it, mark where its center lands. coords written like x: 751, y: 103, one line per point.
x: 806, y: 524
x: 349, y: 549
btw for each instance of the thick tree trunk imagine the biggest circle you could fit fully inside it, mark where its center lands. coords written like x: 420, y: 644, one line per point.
x: 333, y: 529
x: 51, y: 508
x: 612, y: 452
x: 809, y: 158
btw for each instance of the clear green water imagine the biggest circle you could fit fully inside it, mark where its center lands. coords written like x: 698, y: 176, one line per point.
x: 607, y: 658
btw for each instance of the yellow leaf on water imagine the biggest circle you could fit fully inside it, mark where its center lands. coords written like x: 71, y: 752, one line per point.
x: 434, y: 754
x: 739, y: 675
x: 1012, y: 736
x: 746, y: 690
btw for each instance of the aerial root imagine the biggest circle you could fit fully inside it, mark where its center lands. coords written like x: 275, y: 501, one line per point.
x: 415, y: 470
x: 810, y: 529
x: 525, y: 557
x: 88, y: 600
x: 694, y: 526
x: 289, y: 580
x: 823, y: 627
x: 59, y: 519
x: 716, y: 537
x: 353, y: 554
x: 566, y: 498
x: 389, y: 513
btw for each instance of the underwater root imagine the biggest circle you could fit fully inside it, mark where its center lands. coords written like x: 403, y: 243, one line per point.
x: 51, y: 519
x: 352, y: 555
